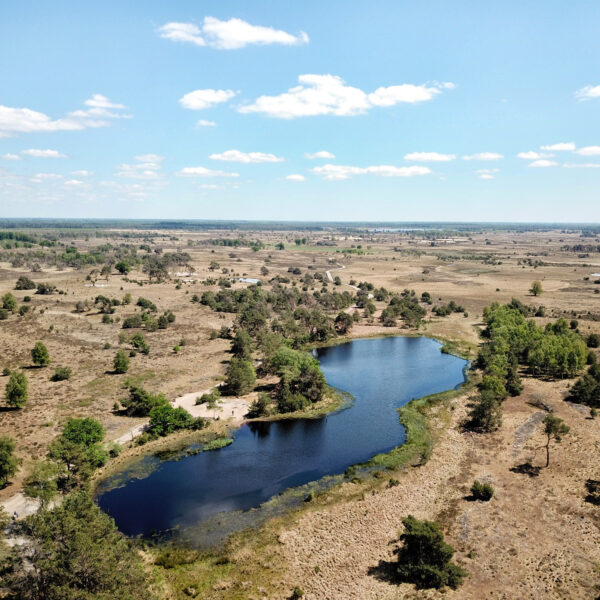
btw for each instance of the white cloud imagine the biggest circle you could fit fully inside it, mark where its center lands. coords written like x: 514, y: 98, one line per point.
x: 582, y: 165
x: 560, y: 147
x: 543, y: 163
x: 339, y: 172
x: 329, y: 95
x: 320, y: 154
x: 11, y: 157
x: 588, y: 92
x: 37, y: 153
x: 39, y: 177
x: 532, y: 155
x: 148, y: 166
x: 229, y: 35
x: 483, y: 156
x: 24, y: 120
x: 74, y: 183
x: 246, y: 157
x: 205, y: 123
x: 429, y: 157
x: 204, y: 172
x: 202, y: 99
x: 295, y: 177
x: 82, y: 173
x: 588, y: 151
x: 485, y: 176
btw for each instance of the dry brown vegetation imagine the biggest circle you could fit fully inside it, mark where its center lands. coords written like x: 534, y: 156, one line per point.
x: 537, y: 538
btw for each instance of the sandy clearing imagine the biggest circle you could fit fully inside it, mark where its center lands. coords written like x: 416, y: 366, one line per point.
x: 234, y: 409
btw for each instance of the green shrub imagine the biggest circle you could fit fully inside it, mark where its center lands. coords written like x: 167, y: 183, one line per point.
x: 61, y: 374
x: 482, y: 491
x: 121, y: 362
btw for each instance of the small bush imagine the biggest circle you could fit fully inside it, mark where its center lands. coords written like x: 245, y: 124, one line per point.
x: 482, y: 491
x: 61, y: 374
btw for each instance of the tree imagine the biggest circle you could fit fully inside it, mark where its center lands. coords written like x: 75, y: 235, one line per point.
x: 425, y: 558
x: 241, y: 346
x: 486, y: 412
x: 9, y: 463
x: 141, y: 402
x: 39, y: 355
x: 343, y: 323
x: 240, y: 377
x: 123, y: 267
x: 75, y: 552
x: 24, y: 283
x: 121, y: 362
x: 555, y: 429
x: 9, y: 302
x: 85, y: 431
x: 536, y: 288
x: 165, y: 419
x: 41, y: 483
x: 16, y: 390
x: 482, y: 491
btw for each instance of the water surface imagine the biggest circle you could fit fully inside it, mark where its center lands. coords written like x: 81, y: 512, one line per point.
x: 266, y: 458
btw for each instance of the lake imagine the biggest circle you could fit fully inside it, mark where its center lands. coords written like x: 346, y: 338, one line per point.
x: 381, y: 374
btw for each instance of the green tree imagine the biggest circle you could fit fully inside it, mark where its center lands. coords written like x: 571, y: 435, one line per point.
x: 241, y: 346
x: 343, y: 323
x: 123, y: 267
x: 74, y: 552
x: 41, y: 482
x: 555, y: 429
x: 425, y: 558
x: 16, y: 390
x: 141, y: 402
x: 40, y: 355
x: 482, y: 491
x: 9, y: 302
x: 121, y: 362
x: 536, y: 288
x: 486, y: 412
x: 86, y: 431
x: 24, y: 283
x: 165, y: 419
x: 240, y: 377
x: 9, y: 463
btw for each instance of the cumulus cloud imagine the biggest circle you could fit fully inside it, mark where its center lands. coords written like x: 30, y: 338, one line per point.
x: 560, y: 147
x: 320, y: 154
x: 295, y: 177
x: 24, y: 120
x: 82, y: 173
x: 246, y: 157
x: 588, y: 92
x: 532, y: 155
x: 202, y: 99
x: 147, y: 166
x: 39, y: 177
x: 339, y: 172
x: 486, y: 176
x: 483, y: 156
x: 543, y: 163
x: 10, y: 156
x: 204, y: 172
x: 588, y: 151
x: 205, y: 123
x: 229, y: 35
x: 429, y: 157
x: 37, y: 153
x: 329, y: 95
x: 74, y: 183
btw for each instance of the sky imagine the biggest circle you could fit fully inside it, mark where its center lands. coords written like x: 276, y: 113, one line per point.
x: 332, y: 110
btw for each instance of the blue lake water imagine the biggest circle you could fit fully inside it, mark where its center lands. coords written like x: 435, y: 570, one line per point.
x: 382, y: 375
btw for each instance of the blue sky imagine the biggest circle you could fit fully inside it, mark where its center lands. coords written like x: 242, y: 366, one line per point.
x: 414, y: 110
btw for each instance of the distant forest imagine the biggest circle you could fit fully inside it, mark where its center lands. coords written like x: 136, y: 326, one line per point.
x: 382, y: 226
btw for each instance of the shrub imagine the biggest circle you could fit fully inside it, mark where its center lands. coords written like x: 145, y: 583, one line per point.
x: 140, y: 402
x: 132, y: 322
x: 3, y: 314
x: 45, y: 289
x: 425, y: 558
x: 39, y: 355
x: 593, y: 340
x: 482, y: 491
x: 24, y: 283
x: 9, y: 302
x: 121, y: 362
x: 146, y: 304
x: 16, y: 389
x: 62, y: 374
x: 165, y: 419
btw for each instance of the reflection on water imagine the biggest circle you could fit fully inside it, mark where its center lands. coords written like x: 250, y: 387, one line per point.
x: 266, y: 458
